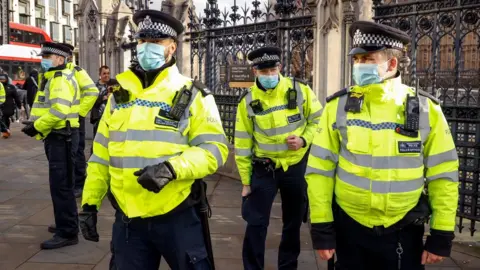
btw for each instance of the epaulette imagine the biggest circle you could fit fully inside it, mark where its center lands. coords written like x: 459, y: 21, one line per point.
x: 430, y: 96
x: 340, y: 93
x: 244, y: 94
x: 202, y: 88
x: 58, y: 74
x: 77, y: 68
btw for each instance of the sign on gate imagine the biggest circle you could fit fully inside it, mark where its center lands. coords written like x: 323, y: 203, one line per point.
x: 240, y: 76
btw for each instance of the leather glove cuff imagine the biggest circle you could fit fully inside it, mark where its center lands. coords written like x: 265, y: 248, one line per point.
x: 439, y: 242
x: 170, y: 168
x: 89, y: 208
x: 323, y: 236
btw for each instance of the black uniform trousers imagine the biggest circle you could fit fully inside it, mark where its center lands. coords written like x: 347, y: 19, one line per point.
x: 140, y: 243
x: 80, y: 162
x: 61, y: 186
x: 6, y: 120
x: 256, y: 208
x: 362, y: 248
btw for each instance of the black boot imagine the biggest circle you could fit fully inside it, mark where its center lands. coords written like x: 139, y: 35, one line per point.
x: 52, y: 228
x: 58, y: 242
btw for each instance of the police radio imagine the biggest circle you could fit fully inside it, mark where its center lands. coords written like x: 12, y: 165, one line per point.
x: 256, y: 106
x: 412, y: 115
x: 180, y: 103
x: 291, y: 99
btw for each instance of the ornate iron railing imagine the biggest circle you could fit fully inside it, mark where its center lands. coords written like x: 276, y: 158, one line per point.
x: 445, y: 55
x: 220, y: 39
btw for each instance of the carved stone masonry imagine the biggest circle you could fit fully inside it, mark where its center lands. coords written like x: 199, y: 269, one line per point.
x: 349, y: 11
x: 331, y: 21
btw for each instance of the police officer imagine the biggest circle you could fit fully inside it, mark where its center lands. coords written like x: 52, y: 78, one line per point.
x: 55, y: 120
x: 379, y: 144
x: 3, y: 128
x: 276, y: 120
x: 159, y: 133
x: 88, y: 97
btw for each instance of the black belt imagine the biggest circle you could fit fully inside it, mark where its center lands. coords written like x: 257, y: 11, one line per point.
x: 267, y: 163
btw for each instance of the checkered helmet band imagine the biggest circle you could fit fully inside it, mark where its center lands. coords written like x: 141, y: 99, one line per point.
x: 50, y: 50
x: 361, y: 39
x: 155, y: 28
x: 266, y: 58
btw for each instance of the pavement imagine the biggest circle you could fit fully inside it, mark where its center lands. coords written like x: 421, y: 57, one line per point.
x: 26, y: 211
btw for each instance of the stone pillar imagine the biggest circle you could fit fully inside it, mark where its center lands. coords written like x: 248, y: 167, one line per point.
x: 328, y: 48
x: 88, y: 26
x: 365, y: 11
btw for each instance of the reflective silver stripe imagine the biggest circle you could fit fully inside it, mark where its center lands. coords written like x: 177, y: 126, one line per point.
x: 77, y: 102
x: 99, y: 138
x: 2, y: 96
x: 315, y: 115
x: 386, y: 162
x: 148, y: 135
x: 97, y: 159
x: 279, y: 130
x: 41, y: 105
x: 242, y: 135
x: 437, y: 159
x: 215, y: 151
x: 34, y: 117
x: 379, y: 186
x: 113, y: 103
x: 86, y: 87
x: 341, y: 120
x: 61, y: 101
x: 204, y: 138
x: 323, y: 153
x: 57, y: 113
x: 72, y: 115
x: 243, y: 152
x: 424, y: 123
x: 248, y: 99
x: 312, y: 170
x: 273, y: 147
x: 136, y: 162
x: 300, y: 99
x: 450, y: 176
x: 316, y: 121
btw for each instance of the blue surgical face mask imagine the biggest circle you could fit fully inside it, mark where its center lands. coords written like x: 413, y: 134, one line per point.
x: 268, y: 81
x: 150, y: 55
x: 364, y: 74
x: 46, y: 64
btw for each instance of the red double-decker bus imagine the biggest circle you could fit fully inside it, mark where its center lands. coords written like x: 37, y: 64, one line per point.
x: 20, y: 56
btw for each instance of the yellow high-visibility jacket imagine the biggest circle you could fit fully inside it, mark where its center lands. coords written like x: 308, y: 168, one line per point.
x: 57, y: 101
x: 264, y: 134
x: 375, y: 174
x: 88, y: 90
x: 3, y: 94
x: 136, y: 134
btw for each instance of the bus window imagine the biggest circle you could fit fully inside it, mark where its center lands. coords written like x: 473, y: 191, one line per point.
x: 18, y: 70
x: 16, y: 35
x: 5, y: 67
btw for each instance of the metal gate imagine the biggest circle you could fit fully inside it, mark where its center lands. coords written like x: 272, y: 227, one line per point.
x: 445, y: 56
x: 222, y: 38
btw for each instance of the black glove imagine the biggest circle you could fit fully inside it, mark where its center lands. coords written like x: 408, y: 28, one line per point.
x: 88, y: 222
x: 154, y: 178
x: 30, y: 130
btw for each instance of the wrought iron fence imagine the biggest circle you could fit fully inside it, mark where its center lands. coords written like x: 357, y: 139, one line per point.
x: 445, y: 55
x: 220, y: 39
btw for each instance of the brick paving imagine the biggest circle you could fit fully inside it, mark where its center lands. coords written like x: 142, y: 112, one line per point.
x: 26, y: 211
